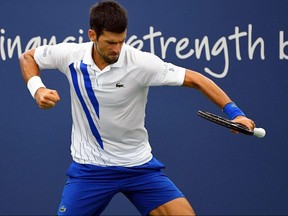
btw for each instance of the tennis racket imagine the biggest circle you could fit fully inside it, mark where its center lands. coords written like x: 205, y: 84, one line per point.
x: 258, y: 132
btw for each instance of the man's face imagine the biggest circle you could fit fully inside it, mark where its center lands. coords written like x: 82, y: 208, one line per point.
x: 109, y: 46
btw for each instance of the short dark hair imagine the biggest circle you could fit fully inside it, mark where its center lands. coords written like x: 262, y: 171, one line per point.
x: 108, y: 16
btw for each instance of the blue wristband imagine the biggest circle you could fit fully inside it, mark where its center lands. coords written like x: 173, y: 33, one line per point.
x: 232, y: 111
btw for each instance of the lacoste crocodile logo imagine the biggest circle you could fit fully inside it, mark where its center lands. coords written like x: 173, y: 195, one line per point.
x: 119, y: 85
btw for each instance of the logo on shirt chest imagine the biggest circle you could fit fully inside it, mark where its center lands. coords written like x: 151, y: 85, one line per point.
x: 119, y: 85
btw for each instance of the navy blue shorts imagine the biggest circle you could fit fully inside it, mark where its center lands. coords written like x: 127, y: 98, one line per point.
x: 90, y: 188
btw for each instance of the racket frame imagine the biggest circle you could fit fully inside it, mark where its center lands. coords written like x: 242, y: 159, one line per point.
x: 225, y: 122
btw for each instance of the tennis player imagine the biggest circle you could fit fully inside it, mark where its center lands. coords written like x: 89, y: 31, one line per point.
x: 109, y: 84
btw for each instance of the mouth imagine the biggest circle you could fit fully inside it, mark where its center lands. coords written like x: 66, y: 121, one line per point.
x: 114, y: 55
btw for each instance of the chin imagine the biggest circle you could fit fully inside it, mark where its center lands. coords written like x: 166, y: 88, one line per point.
x: 112, y: 61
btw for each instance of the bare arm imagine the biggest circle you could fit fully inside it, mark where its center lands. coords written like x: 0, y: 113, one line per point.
x: 28, y: 65
x: 213, y: 92
x: 207, y: 87
x: 45, y: 98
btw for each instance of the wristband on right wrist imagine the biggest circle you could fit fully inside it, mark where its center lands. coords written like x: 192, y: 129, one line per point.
x: 232, y: 111
x: 33, y: 84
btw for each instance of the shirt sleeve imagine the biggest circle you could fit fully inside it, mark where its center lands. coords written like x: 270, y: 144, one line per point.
x: 53, y: 56
x: 155, y: 72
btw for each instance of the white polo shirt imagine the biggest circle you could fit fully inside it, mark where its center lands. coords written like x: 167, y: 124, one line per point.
x: 108, y: 106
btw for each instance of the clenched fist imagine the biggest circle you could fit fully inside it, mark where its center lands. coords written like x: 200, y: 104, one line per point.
x: 46, y: 98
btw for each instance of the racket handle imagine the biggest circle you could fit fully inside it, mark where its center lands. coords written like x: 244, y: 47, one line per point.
x: 259, y: 132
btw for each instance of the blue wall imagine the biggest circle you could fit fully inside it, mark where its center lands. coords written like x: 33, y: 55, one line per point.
x: 219, y: 172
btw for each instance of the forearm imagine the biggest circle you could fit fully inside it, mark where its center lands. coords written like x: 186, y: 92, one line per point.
x: 28, y: 65
x: 207, y: 87
x: 31, y: 72
x: 45, y: 98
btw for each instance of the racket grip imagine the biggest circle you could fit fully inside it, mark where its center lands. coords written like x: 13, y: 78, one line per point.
x: 259, y: 132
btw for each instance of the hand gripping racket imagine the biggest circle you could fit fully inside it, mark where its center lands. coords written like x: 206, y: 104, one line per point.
x: 258, y: 132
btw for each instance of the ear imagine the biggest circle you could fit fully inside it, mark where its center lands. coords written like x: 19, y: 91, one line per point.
x: 92, y: 35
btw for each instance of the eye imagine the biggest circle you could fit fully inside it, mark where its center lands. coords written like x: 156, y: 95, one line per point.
x: 115, y: 43
x: 111, y: 43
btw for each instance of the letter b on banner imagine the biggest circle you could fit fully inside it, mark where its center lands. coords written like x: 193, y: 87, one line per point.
x: 282, y: 45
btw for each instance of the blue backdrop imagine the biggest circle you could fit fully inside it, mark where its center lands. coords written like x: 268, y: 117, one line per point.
x: 241, y: 45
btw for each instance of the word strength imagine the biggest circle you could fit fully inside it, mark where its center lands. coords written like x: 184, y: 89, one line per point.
x: 186, y: 48
x: 239, y: 44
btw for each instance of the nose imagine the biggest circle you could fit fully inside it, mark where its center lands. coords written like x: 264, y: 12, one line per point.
x: 117, y: 48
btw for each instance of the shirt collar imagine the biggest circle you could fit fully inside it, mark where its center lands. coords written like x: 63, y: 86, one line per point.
x: 89, y: 60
